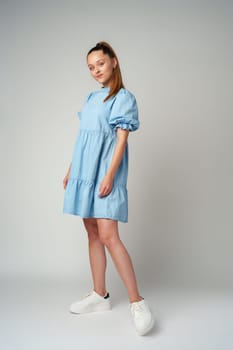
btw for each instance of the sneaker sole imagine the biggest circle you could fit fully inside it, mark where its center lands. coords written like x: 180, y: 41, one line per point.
x: 97, y: 308
x: 151, y: 325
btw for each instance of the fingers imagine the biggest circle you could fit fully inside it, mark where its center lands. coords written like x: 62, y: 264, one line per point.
x: 104, y: 191
x: 64, y: 184
x: 65, y: 181
x: 105, y: 186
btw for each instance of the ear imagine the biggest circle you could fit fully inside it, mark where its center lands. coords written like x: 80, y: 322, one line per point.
x: 114, y: 62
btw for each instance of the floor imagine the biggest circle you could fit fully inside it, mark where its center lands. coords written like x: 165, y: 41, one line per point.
x: 34, y: 315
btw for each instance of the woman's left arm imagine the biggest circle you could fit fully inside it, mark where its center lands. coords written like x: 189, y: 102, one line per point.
x: 107, y: 182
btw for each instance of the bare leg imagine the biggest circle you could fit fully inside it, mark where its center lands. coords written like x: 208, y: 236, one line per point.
x: 109, y: 236
x: 97, y: 256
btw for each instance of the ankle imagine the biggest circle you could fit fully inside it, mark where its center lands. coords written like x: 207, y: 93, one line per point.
x: 135, y: 299
x: 101, y: 292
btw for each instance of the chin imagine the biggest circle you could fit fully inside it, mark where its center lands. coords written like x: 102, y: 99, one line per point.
x: 102, y: 81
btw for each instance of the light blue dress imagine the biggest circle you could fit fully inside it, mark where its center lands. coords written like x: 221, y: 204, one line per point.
x: 93, y: 153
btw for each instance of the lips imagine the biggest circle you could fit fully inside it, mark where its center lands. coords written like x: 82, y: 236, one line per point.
x: 99, y: 76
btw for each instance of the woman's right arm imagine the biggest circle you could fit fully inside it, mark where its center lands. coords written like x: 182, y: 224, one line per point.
x: 66, y: 178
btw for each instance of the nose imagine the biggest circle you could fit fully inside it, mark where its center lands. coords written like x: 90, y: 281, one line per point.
x: 97, y: 70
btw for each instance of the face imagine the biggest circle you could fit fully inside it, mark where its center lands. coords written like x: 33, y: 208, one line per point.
x: 101, y: 67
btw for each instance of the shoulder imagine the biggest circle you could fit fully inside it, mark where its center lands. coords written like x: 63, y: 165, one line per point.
x: 125, y: 98
x: 125, y: 94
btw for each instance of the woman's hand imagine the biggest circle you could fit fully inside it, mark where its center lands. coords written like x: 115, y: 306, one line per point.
x: 106, y: 185
x: 66, y: 178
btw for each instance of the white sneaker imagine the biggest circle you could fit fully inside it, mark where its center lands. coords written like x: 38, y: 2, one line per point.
x: 142, y: 316
x: 91, y: 302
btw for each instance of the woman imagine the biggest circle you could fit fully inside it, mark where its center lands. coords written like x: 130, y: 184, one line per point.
x: 95, y: 184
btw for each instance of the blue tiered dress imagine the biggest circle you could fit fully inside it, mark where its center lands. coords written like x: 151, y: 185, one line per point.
x: 93, y: 153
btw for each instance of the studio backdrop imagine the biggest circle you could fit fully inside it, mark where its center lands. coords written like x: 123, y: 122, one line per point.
x: 176, y: 58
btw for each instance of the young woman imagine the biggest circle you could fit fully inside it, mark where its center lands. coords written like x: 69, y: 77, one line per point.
x: 95, y: 184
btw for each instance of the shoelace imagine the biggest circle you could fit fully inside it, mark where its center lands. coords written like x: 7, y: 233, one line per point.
x: 88, y: 294
x: 137, y: 310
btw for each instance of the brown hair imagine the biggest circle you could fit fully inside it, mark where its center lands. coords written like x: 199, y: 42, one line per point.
x: 117, y: 82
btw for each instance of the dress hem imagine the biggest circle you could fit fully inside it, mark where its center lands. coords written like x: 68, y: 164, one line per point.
x: 95, y: 217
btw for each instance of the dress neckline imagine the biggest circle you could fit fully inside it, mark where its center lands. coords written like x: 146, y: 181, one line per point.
x: 105, y: 88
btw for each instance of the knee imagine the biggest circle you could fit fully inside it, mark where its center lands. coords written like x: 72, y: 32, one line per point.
x: 92, y: 229
x: 108, y: 232
x: 109, y: 240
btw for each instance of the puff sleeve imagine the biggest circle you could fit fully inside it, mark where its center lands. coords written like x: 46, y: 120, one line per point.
x: 124, y: 113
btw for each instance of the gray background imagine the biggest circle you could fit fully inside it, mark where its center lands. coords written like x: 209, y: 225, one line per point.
x: 176, y: 57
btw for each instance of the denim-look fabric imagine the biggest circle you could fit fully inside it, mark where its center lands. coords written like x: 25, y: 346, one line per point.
x: 92, y: 155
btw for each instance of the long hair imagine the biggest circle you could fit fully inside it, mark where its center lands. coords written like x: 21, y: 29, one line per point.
x: 117, y: 82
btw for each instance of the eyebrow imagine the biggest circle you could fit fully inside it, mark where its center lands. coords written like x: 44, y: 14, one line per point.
x: 100, y: 59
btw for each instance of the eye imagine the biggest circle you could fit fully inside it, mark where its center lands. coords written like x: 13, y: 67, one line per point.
x: 101, y: 63
x: 91, y: 68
